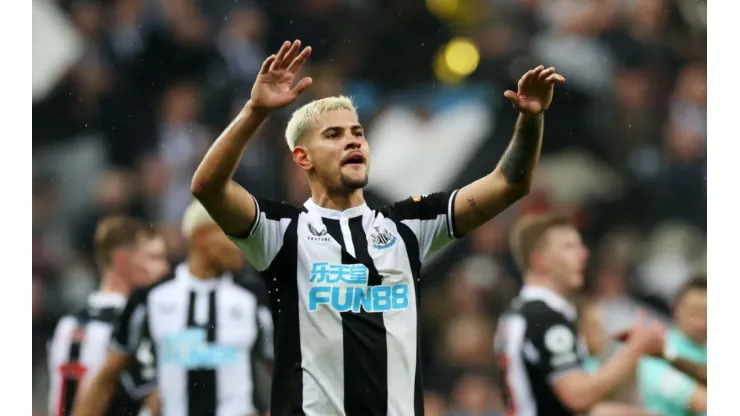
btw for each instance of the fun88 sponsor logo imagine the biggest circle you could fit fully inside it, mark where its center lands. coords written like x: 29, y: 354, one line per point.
x: 343, y: 288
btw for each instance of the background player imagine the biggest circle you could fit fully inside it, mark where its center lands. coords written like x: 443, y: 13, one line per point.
x: 537, y: 341
x: 129, y: 255
x: 663, y: 388
x: 206, y: 328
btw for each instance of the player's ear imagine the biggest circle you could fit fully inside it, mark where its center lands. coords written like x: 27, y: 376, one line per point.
x: 302, y: 158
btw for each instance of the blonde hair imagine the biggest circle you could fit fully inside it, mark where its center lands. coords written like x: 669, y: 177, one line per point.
x: 195, y: 216
x: 304, y: 117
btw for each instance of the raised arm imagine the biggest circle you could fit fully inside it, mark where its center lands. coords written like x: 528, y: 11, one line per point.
x: 230, y: 205
x: 483, y: 199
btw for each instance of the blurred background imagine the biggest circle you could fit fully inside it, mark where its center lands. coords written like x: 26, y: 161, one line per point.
x: 128, y: 95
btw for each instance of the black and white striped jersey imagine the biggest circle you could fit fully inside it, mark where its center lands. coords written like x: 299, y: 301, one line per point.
x: 537, y: 342
x: 79, y: 348
x: 344, y: 292
x: 206, y: 335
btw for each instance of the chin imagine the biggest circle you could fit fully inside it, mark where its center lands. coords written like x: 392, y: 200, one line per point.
x: 353, y: 182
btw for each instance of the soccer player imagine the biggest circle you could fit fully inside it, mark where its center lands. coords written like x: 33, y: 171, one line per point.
x: 539, y: 349
x: 205, y: 328
x: 129, y: 255
x: 343, y: 278
x: 675, y: 384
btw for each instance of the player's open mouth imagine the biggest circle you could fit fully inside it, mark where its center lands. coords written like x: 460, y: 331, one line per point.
x: 355, y: 158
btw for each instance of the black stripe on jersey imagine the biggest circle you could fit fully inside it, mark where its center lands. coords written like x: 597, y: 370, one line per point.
x: 202, y: 395
x: 71, y: 378
x: 280, y: 278
x: 365, y: 353
x: 255, y: 360
x: 412, y: 248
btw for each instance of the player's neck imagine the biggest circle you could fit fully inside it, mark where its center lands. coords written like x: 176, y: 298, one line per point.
x: 542, y: 281
x: 338, y: 201
x: 114, y: 283
x: 200, y: 269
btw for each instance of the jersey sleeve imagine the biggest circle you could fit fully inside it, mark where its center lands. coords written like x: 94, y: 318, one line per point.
x: 662, y: 387
x: 131, y: 326
x: 430, y: 218
x: 140, y: 377
x: 261, y: 244
x: 551, y: 345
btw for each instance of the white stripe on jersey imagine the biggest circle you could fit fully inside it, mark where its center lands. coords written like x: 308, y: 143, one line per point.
x: 517, y: 379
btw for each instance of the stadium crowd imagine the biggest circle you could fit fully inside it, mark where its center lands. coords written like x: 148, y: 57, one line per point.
x: 150, y: 83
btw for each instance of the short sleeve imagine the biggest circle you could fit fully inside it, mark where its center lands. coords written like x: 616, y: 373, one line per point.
x: 551, y: 345
x: 262, y: 243
x: 662, y: 387
x: 131, y: 326
x: 430, y: 218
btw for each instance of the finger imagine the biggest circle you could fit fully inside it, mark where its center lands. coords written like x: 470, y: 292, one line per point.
x: 300, y: 60
x: 524, y: 79
x: 292, y: 53
x: 267, y: 64
x: 280, y: 56
x: 555, y: 79
x: 511, y: 96
x: 302, y: 85
x: 544, y: 74
x: 536, y: 72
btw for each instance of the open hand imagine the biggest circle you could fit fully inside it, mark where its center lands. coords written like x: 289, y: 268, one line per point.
x: 535, y: 90
x: 273, y: 87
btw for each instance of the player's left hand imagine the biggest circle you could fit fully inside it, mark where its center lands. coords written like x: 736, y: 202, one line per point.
x: 535, y: 90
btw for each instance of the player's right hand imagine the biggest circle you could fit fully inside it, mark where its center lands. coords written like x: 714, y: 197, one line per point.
x: 273, y: 87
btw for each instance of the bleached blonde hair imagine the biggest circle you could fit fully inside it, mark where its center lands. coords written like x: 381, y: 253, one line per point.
x: 195, y: 216
x: 304, y: 117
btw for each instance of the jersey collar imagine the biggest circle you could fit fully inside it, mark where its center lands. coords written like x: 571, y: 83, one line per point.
x: 102, y: 300
x: 336, y: 214
x: 182, y: 273
x: 551, y: 298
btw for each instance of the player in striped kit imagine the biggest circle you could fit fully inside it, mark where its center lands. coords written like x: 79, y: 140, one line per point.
x: 207, y: 327
x: 129, y: 254
x: 344, y: 278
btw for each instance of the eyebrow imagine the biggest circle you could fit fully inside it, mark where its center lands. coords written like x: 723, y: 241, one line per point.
x: 354, y: 127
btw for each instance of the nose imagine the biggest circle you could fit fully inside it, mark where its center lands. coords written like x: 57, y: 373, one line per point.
x: 353, y: 144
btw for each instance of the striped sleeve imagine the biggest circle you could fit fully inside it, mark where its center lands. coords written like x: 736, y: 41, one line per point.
x: 430, y: 217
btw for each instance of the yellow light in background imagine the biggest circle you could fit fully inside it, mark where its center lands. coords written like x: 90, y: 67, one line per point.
x: 442, y: 70
x: 461, y: 56
x: 444, y: 9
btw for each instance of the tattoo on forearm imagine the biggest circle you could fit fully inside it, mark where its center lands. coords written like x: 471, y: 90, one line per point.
x: 517, y: 162
x: 476, y: 208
